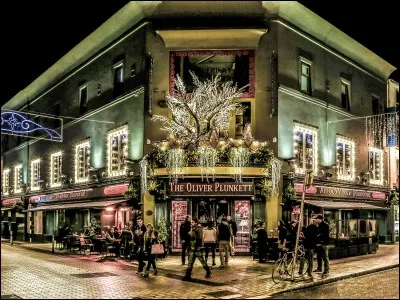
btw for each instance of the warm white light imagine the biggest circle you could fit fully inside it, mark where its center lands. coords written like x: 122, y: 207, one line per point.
x: 17, y: 179
x: 6, y: 182
x: 35, y: 174
x: 378, y: 155
x: 55, y: 173
x: 343, y: 173
x: 310, y: 130
x: 79, y: 169
x: 122, y: 150
x: 110, y: 208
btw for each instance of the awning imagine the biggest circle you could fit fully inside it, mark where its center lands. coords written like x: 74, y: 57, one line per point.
x: 342, y: 205
x: 75, y: 205
x: 7, y: 208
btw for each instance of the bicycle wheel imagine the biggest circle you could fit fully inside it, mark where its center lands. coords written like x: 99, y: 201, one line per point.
x: 301, y: 266
x: 278, y: 270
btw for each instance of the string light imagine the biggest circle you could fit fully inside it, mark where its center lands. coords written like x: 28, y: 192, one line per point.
x: 18, y: 178
x: 376, y: 164
x: 175, y: 162
x: 276, y: 166
x: 239, y: 158
x: 55, y: 169
x: 117, y: 146
x: 299, y: 145
x: 6, y: 182
x: 35, y: 174
x: 208, y: 157
x: 143, y: 173
x: 82, y: 161
x: 345, y: 173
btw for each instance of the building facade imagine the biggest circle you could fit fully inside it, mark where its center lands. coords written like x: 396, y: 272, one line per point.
x: 307, y: 82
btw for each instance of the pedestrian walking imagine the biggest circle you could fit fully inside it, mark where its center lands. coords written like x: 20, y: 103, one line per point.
x: 210, y: 240
x: 196, y: 250
x: 184, y: 235
x: 150, y: 238
x: 309, y: 243
x: 262, y: 242
x: 233, y: 225
x: 322, y: 245
x: 282, y: 235
x: 224, y: 236
x: 138, y: 240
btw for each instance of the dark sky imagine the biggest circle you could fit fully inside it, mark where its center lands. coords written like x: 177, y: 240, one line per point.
x: 37, y: 33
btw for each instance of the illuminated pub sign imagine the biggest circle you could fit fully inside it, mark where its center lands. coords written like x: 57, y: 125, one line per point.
x: 211, y: 189
x: 338, y: 192
x: 9, y: 202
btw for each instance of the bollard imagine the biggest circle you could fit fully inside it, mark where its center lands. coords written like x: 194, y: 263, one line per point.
x: 52, y: 244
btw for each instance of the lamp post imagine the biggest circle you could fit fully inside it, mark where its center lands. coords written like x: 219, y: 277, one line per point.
x: 308, y: 179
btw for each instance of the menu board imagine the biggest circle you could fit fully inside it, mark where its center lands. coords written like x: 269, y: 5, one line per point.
x: 179, y: 213
x: 242, y: 219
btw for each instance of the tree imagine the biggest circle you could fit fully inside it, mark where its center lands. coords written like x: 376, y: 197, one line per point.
x: 196, y: 114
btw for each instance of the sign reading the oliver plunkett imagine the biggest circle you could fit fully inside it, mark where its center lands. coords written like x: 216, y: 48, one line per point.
x: 211, y: 189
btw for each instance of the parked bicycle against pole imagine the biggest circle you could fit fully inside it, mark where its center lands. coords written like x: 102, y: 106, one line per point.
x: 283, y: 266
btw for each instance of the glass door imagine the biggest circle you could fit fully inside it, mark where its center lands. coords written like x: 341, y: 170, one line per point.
x: 242, y: 219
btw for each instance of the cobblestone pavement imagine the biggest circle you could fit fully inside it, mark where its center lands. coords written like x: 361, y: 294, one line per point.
x: 380, y: 285
x: 31, y: 271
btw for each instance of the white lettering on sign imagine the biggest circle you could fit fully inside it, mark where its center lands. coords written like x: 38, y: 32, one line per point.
x: 340, y: 192
x: 211, y: 188
x: 70, y: 195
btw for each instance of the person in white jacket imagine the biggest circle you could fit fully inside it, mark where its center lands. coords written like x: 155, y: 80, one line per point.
x: 210, y: 240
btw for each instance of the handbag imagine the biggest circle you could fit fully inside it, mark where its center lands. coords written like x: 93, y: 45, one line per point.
x: 157, y: 249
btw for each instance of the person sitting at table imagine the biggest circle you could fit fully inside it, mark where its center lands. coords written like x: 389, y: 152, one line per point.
x: 111, y: 239
x: 86, y: 231
x: 116, y: 233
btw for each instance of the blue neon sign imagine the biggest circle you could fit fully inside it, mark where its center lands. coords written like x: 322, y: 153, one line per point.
x: 16, y: 123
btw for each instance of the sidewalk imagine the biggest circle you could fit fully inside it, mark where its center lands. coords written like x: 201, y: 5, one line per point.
x: 245, y: 277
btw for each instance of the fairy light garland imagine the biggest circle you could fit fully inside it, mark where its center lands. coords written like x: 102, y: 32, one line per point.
x: 143, y: 174
x: 6, y: 182
x: 117, y: 149
x: 175, y: 162
x: 55, y: 169
x: 82, y: 162
x: 345, y: 161
x: 300, y: 134
x: 18, y: 178
x: 239, y: 158
x: 35, y: 175
x: 208, y: 157
x: 376, y: 164
x: 276, y: 166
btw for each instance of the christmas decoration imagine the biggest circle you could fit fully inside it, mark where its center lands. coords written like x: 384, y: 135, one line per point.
x: 207, y: 158
x: 162, y: 230
x: 239, y: 158
x: 276, y: 165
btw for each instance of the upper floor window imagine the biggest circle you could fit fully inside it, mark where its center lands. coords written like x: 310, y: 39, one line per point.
x: 242, y: 117
x: 82, y: 161
x: 305, y: 76
x: 375, y: 105
x: 118, y: 79
x: 345, y: 158
x: 6, y: 182
x: 233, y: 65
x: 117, y: 151
x: 18, y: 180
x: 375, y: 166
x: 35, y: 175
x: 345, y: 95
x: 305, y: 148
x: 55, y: 169
x: 83, y: 99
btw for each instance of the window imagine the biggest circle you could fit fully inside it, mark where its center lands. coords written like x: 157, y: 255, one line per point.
x: 242, y: 117
x: 345, y: 157
x: 18, y: 179
x: 35, y: 175
x: 305, y: 76
x: 133, y: 71
x: 233, y: 65
x: 305, y: 148
x: 375, y: 105
x: 55, y: 169
x: 118, y: 79
x: 117, y: 151
x: 6, y: 182
x: 83, y: 99
x: 375, y: 166
x: 345, y: 94
x: 82, y: 161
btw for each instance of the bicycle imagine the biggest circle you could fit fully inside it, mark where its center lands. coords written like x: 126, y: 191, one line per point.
x: 283, y: 266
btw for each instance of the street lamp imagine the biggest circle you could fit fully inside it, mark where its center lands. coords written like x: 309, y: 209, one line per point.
x: 308, y: 179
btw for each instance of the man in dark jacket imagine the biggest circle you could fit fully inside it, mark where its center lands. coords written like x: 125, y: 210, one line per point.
x: 184, y: 235
x: 309, y: 243
x: 233, y: 226
x: 262, y: 238
x: 322, y: 245
x: 138, y: 240
x: 195, y: 239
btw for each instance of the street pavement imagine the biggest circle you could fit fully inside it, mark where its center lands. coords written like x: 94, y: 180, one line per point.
x: 31, y: 271
x: 384, y: 284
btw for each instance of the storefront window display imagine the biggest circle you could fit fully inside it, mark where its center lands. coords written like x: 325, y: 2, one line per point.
x: 242, y: 218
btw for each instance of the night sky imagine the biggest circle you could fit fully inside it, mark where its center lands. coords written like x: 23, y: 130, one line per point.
x: 37, y: 33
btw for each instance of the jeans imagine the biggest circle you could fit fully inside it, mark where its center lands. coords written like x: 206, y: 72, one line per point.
x: 185, y: 247
x: 140, y: 258
x: 208, y: 247
x: 151, y: 262
x: 309, y: 256
x: 192, y: 257
x: 322, y: 255
x: 224, y: 250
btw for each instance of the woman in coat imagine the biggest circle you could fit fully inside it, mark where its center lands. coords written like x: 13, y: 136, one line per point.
x: 150, y: 238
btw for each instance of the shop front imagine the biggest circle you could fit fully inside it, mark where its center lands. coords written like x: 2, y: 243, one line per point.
x: 211, y: 201
x: 13, y: 219
x: 357, y: 215
x: 48, y: 213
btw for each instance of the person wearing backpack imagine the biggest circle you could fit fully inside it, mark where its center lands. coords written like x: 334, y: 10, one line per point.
x: 210, y: 240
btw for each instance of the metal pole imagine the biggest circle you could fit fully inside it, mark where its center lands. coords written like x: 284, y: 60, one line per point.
x: 52, y: 244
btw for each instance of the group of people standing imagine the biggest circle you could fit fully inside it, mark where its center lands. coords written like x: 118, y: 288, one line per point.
x: 315, y: 239
x: 196, y: 240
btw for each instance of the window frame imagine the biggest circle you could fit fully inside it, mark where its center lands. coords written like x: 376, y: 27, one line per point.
x: 306, y: 129
x: 6, y: 182
x: 81, y: 106
x: 303, y: 60
x: 52, y: 178
x: 232, y: 123
x: 380, y: 151
x: 19, y: 189
x: 117, y: 132
x: 348, y: 83
x: 35, y: 185
x: 352, y: 169
x: 82, y: 144
x: 116, y: 66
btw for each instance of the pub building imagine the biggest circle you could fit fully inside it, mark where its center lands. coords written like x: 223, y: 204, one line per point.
x: 76, y: 208
x: 13, y: 219
x: 357, y: 214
